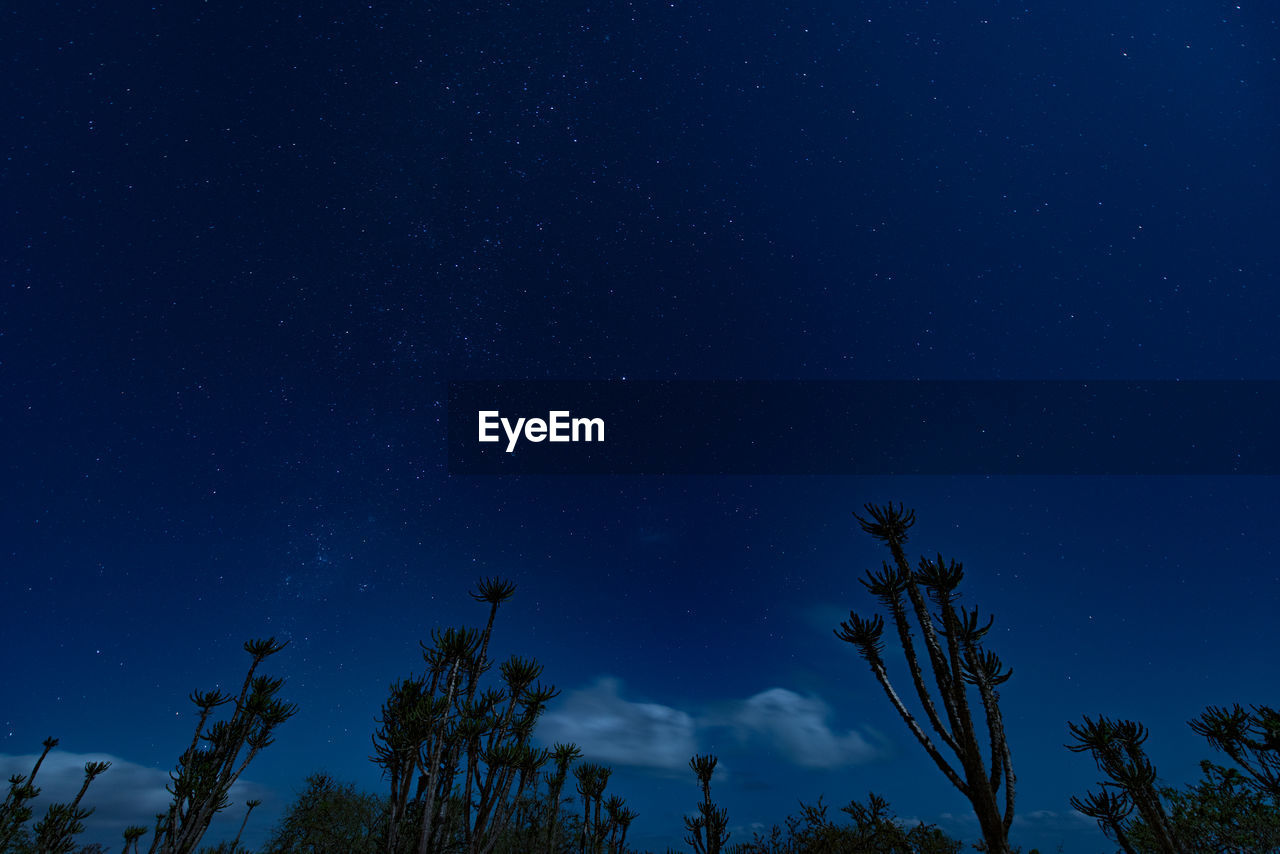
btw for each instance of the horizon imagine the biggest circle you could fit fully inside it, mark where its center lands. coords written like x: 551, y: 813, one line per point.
x: 792, y: 712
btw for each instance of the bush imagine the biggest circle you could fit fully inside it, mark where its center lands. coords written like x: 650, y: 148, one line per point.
x: 330, y: 816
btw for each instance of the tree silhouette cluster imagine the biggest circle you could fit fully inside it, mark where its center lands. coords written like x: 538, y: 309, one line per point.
x: 1229, y: 810
x: 62, y: 822
x: 219, y: 752
x: 455, y: 745
x: 459, y: 758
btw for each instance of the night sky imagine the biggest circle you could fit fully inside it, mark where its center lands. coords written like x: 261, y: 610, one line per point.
x: 245, y: 247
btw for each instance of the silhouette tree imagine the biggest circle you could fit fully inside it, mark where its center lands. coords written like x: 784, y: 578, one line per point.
x: 1223, y: 812
x: 875, y: 830
x: 1110, y: 809
x: 1251, y: 739
x: 620, y: 818
x: 132, y: 834
x: 15, y: 812
x: 217, y: 755
x: 250, y: 806
x: 56, y: 832
x: 439, y: 726
x: 1117, y: 749
x: 329, y: 816
x: 707, y: 832
x: 956, y: 657
x: 592, y: 780
x: 563, y: 755
x: 1228, y: 810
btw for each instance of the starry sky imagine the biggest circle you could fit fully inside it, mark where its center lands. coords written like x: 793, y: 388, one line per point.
x: 246, y: 246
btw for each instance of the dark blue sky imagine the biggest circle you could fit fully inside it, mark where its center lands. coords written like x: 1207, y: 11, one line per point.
x: 244, y: 247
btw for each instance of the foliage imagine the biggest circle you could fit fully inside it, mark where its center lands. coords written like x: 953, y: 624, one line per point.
x: 15, y: 810
x: 1227, y: 811
x: 1222, y: 813
x: 464, y: 776
x: 600, y: 833
x: 62, y: 823
x: 1116, y: 747
x: 459, y: 759
x: 56, y: 832
x: 217, y: 755
x: 875, y: 830
x: 132, y: 834
x: 563, y: 755
x: 957, y: 658
x: 1250, y: 738
x: 329, y: 816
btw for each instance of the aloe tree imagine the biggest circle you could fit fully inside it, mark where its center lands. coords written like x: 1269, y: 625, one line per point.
x: 413, y: 741
x: 954, y: 652
x: 56, y: 832
x: 250, y: 806
x: 1116, y: 746
x: 14, y: 811
x: 132, y: 834
x: 459, y: 759
x: 1110, y: 809
x: 1250, y: 738
x: 220, y: 751
x: 592, y: 780
x: 563, y: 756
x: 1223, y: 812
x: 1229, y: 810
x: 620, y: 818
x: 707, y: 832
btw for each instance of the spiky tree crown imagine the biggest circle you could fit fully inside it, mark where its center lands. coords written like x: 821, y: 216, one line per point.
x: 940, y: 577
x: 493, y: 590
x: 887, y: 523
x: 263, y: 647
x: 864, y: 634
x: 703, y: 766
x: 1107, y: 805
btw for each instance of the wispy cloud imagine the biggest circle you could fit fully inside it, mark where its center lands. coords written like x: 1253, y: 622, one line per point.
x: 797, y: 727
x: 612, y: 729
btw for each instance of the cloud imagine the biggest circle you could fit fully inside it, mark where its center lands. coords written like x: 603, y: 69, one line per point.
x: 126, y: 793
x: 797, y: 727
x: 612, y: 729
x: 650, y: 735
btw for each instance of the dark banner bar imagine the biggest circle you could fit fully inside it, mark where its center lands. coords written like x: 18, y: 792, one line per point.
x: 864, y: 428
